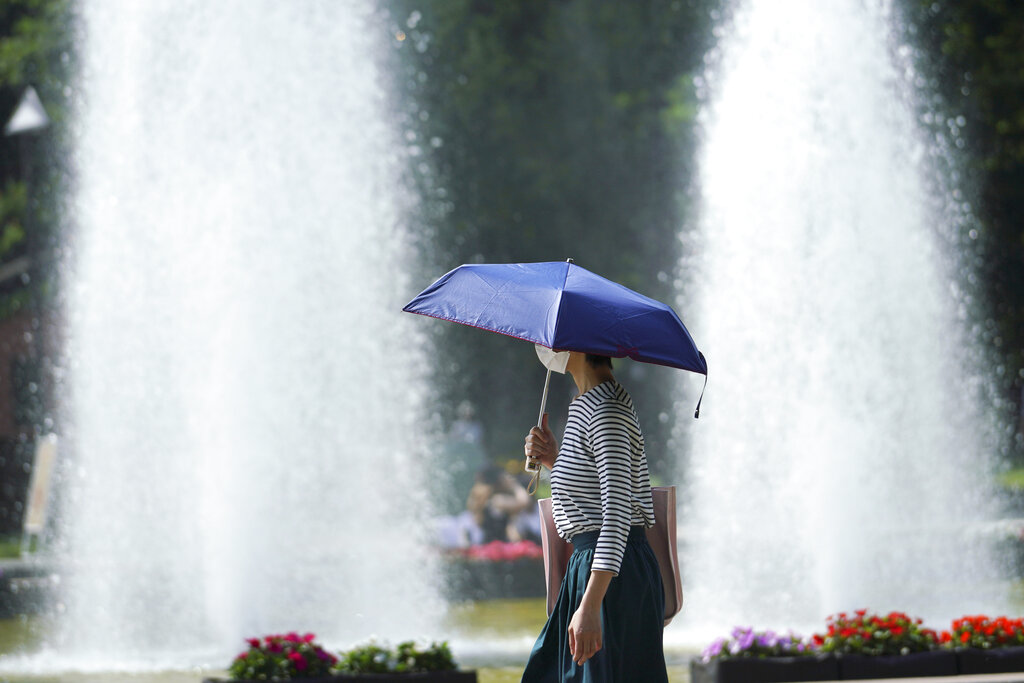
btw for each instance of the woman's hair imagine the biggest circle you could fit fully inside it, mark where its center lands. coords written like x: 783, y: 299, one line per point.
x: 596, y: 361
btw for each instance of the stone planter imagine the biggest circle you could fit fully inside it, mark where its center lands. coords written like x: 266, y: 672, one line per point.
x: 998, y: 660
x: 432, y: 677
x: 765, y: 670
x: 916, y: 664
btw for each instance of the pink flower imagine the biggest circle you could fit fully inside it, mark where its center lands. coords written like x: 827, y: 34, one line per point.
x: 299, y: 661
x: 253, y: 642
x: 308, y: 638
x: 292, y: 637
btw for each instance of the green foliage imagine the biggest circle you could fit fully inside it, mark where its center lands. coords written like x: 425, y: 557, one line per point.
x: 31, y: 37
x: 13, y: 202
x: 437, y: 657
x: 366, y: 659
x: 406, y: 658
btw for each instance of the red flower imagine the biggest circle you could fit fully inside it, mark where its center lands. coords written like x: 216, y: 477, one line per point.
x: 965, y: 636
x: 253, y: 642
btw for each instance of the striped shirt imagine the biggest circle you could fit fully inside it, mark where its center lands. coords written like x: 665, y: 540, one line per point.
x: 600, y: 480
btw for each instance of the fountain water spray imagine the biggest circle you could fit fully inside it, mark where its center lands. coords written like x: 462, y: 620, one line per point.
x: 243, y: 389
x: 842, y: 457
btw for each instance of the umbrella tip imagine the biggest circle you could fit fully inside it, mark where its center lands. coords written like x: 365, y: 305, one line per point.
x: 569, y: 260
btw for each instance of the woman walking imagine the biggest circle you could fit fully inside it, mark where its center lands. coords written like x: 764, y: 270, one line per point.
x: 607, y: 623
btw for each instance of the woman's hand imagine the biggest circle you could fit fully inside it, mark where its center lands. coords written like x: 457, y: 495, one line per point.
x: 584, y: 633
x: 541, y: 444
x: 585, y: 625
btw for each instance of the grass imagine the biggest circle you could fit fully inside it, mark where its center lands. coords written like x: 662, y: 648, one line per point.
x: 10, y: 546
x: 1012, y: 480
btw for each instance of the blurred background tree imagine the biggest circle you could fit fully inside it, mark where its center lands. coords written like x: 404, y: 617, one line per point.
x: 550, y: 130
x: 973, y: 52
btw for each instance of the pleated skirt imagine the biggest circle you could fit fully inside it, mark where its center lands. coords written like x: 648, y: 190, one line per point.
x: 632, y: 618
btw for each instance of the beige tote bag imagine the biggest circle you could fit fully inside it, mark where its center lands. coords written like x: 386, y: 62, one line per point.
x: 661, y: 536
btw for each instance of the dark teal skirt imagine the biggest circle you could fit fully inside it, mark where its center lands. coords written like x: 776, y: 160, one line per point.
x: 632, y: 620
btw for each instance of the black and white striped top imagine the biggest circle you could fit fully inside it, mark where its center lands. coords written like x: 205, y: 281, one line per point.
x: 600, y: 480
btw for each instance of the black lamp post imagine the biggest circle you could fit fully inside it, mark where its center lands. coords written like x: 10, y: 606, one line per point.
x: 29, y: 118
x: 25, y: 124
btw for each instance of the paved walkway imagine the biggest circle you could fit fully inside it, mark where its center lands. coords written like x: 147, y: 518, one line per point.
x: 987, y: 678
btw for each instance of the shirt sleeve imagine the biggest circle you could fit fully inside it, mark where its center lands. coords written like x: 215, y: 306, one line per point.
x: 610, y: 442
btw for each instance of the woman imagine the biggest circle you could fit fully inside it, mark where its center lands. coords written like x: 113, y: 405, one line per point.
x: 607, y: 623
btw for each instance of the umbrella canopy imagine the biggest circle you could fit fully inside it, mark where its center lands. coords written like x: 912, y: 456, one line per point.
x: 564, y: 307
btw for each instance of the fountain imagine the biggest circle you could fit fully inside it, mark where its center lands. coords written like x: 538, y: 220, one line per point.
x: 842, y: 457
x: 243, y: 390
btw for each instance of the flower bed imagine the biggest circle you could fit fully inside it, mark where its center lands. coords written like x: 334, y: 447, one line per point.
x: 295, y: 657
x: 862, y: 645
x: 500, y: 551
x: 749, y: 655
x: 495, y: 570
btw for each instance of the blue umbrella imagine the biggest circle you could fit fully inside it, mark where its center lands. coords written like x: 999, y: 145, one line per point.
x: 563, y: 307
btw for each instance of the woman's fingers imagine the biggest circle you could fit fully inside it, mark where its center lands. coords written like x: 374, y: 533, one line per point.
x: 582, y: 648
x: 537, y: 444
x: 583, y: 644
x: 541, y: 445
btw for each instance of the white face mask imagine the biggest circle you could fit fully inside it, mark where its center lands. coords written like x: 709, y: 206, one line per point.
x: 554, y: 361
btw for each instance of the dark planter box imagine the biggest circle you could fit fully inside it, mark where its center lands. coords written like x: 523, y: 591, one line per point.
x: 1000, y: 660
x: 764, y: 670
x: 484, y: 580
x: 433, y: 677
x: 859, y: 667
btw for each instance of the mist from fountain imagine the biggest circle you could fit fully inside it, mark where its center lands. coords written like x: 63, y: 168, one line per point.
x: 843, y: 455
x: 244, y: 393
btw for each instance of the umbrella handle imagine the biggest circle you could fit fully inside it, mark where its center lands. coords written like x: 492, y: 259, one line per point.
x: 544, y: 398
x: 532, y: 464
